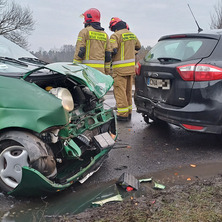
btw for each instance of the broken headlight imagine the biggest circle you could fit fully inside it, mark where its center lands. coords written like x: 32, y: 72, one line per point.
x: 65, y: 96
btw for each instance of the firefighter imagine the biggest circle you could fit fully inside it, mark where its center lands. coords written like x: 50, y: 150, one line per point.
x: 92, y: 46
x: 123, y: 44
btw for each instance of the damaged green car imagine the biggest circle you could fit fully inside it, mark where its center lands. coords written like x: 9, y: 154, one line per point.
x: 54, y: 129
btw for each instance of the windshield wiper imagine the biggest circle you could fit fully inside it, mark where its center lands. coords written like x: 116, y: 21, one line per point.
x: 168, y: 59
x: 11, y: 60
x: 33, y: 60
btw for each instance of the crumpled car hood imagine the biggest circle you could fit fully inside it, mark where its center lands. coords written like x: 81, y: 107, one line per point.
x: 34, y: 108
x: 97, y: 82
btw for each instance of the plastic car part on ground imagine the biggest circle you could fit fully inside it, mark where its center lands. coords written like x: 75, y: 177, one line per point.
x: 118, y: 197
x: 129, y: 182
x: 145, y: 180
x: 158, y: 186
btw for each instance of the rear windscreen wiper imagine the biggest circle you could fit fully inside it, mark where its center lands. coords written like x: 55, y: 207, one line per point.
x: 168, y: 59
x: 33, y: 60
x: 11, y: 60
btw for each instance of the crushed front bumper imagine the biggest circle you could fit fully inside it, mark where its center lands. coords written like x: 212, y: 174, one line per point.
x: 35, y: 184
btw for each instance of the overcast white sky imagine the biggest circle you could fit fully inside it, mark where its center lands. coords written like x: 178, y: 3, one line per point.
x: 58, y: 22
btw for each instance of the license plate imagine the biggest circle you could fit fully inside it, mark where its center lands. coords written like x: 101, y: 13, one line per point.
x: 158, y: 83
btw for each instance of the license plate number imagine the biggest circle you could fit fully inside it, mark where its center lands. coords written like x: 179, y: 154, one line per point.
x: 158, y: 83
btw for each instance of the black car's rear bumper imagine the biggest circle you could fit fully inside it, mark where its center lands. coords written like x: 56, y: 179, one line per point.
x: 194, y: 114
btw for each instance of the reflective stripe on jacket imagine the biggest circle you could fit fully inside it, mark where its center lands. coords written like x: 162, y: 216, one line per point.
x: 124, y: 110
x: 94, y: 63
x: 96, y: 43
x: 123, y: 63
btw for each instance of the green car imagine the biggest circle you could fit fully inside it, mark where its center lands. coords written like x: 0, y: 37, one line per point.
x: 54, y: 129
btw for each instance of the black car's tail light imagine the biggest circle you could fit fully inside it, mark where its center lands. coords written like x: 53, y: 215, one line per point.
x: 187, y: 72
x: 204, y: 72
x: 138, y: 68
x: 200, y: 72
x: 192, y: 127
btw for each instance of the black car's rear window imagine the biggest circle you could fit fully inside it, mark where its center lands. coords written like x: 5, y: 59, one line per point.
x: 181, y: 49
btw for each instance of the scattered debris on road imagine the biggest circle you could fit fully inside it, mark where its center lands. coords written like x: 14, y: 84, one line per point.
x: 110, y: 199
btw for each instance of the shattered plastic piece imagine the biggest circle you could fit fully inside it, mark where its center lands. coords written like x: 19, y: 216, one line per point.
x: 145, y: 180
x: 193, y: 165
x: 159, y: 186
x: 110, y: 199
x: 127, y: 179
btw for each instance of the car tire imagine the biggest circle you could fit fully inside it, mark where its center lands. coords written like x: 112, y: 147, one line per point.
x: 18, y: 149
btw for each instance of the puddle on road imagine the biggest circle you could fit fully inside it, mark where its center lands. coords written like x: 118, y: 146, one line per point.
x: 67, y: 202
x: 80, y: 197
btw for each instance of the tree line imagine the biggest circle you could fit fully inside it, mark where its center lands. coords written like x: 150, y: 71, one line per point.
x: 66, y: 53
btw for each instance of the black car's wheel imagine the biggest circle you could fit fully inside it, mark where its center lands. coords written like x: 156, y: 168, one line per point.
x: 18, y: 149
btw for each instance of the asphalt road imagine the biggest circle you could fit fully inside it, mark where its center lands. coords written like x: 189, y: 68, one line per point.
x: 144, y: 149
x: 164, y: 152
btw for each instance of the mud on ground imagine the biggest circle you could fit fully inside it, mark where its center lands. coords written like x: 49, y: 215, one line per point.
x: 197, y: 199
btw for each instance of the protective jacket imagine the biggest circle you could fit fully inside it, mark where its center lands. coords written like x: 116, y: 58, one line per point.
x: 93, y: 49
x: 123, y: 44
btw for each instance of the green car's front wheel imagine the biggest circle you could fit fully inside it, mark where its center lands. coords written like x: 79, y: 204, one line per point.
x: 12, y: 159
x: 18, y: 149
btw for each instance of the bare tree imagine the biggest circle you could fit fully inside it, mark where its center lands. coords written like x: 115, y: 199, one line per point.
x: 216, y: 18
x: 16, y: 22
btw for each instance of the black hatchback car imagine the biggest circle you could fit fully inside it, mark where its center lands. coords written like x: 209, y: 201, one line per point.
x: 180, y: 82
